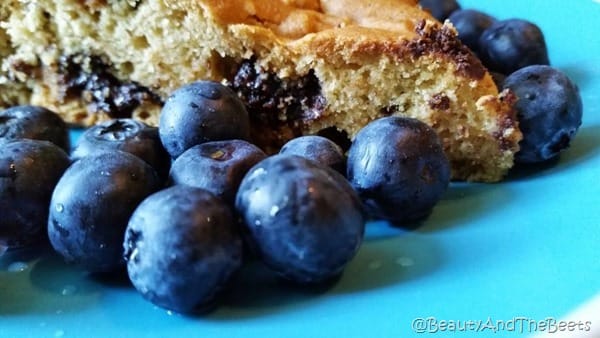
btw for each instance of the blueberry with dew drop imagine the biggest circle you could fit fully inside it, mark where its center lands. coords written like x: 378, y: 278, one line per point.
x: 182, y: 247
x: 91, y: 205
x: 302, y: 218
x: 29, y: 171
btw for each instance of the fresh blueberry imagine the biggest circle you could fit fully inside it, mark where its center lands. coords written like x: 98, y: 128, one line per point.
x: 512, y: 44
x: 470, y: 24
x: 29, y: 171
x: 303, y: 218
x: 33, y: 122
x: 549, y: 110
x: 182, y: 246
x: 200, y: 112
x: 440, y: 9
x: 399, y: 169
x: 317, y: 148
x: 91, y: 206
x: 127, y: 135
x: 217, y: 166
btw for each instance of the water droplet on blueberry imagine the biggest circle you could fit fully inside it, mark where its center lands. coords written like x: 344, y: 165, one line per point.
x: 405, y: 261
x: 274, y: 211
x: 375, y: 265
x: 17, y: 267
x: 68, y: 290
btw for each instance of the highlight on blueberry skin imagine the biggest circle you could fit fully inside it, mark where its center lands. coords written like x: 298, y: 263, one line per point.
x: 549, y: 109
x: 29, y: 171
x: 182, y: 247
x: 91, y: 206
x: 303, y: 218
x: 509, y: 45
x: 399, y: 169
x: 217, y: 166
x: 200, y: 112
x: 33, y: 122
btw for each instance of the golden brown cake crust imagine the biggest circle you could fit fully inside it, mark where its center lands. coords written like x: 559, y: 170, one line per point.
x: 301, y: 66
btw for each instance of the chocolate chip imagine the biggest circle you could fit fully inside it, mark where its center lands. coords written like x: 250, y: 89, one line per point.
x: 89, y: 78
x: 275, y: 101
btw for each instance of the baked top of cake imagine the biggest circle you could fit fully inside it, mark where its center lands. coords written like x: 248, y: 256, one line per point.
x: 301, y: 67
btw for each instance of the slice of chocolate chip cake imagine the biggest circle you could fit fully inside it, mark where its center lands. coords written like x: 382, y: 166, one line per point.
x: 301, y: 66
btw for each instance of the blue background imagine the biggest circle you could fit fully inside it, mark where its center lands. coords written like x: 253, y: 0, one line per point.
x: 526, y: 247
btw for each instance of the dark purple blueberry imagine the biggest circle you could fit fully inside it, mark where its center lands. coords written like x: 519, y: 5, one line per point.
x: 29, y: 171
x: 440, y: 9
x: 317, y: 148
x: 91, y: 206
x: 512, y: 44
x: 217, y: 166
x: 303, y: 218
x: 470, y: 24
x: 549, y: 110
x: 182, y: 246
x: 200, y: 112
x: 33, y: 122
x: 399, y: 169
x: 127, y: 135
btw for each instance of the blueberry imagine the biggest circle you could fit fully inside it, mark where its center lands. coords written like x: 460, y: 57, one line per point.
x: 399, y: 169
x: 33, y: 122
x: 127, y: 135
x: 91, y: 206
x: 470, y: 24
x: 512, y: 44
x: 200, y: 112
x: 317, y: 148
x: 549, y: 110
x: 217, y: 166
x: 303, y: 218
x: 440, y: 9
x: 182, y: 246
x: 29, y: 171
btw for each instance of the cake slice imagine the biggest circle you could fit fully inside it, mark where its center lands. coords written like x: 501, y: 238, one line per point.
x: 301, y: 66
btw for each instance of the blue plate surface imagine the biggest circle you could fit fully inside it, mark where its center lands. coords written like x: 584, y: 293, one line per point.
x: 525, y: 248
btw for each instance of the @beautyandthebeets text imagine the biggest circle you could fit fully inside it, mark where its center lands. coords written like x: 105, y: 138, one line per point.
x: 490, y: 325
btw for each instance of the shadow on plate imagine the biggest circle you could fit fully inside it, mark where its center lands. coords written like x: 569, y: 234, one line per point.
x: 258, y: 292
x: 463, y: 203
x: 585, y: 146
x: 380, y: 263
x: 383, y: 263
x: 41, y: 283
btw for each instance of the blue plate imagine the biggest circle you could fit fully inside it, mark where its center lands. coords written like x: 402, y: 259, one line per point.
x: 524, y: 248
